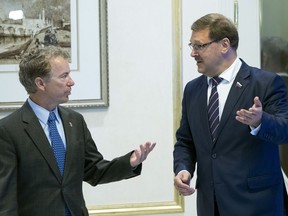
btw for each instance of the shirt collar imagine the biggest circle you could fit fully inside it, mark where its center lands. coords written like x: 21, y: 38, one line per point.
x: 41, y: 113
x: 230, y: 73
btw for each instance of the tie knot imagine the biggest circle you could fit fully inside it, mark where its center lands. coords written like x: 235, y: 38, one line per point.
x: 216, y: 80
x: 52, y: 117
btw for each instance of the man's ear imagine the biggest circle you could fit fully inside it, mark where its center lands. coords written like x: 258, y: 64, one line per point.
x: 225, y: 44
x: 39, y: 83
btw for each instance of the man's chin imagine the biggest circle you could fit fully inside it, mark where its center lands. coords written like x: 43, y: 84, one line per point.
x: 64, y: 100
x: 200, y: 71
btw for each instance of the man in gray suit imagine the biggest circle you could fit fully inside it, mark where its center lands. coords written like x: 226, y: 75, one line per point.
x: 236, y: 155
x: 33, y: 180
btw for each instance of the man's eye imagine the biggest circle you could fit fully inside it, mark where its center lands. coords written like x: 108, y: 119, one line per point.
x: 64, y: 76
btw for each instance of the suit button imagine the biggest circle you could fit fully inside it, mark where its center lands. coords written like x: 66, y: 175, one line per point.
x: 214, y: 156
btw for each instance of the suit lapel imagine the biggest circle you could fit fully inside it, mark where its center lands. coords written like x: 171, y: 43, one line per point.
x: 240, y: 83
x: 203, y: 113
x: 38, y: 137
x: 68, y: 127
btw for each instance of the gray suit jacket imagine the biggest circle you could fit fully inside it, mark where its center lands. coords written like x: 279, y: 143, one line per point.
x: 30, y: 182
x: 240, y: 170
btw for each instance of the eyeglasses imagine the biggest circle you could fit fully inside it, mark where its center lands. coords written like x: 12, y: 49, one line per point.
x: 198, y: 47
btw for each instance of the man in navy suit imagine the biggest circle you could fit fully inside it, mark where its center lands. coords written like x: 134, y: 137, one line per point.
x: 31, y: 181
x: 238, y: 171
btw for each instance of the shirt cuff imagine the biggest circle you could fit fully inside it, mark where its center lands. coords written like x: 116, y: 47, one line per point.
x: 255, y: 131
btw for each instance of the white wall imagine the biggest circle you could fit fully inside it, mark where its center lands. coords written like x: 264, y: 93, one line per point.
x: 140, y: 91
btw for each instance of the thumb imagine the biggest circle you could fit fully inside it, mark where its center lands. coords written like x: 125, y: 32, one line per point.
x: 185, y: 177
x: 257, y: 102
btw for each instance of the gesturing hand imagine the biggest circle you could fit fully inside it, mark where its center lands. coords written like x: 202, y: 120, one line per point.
x: 140, y: 154
x: 251, y: 117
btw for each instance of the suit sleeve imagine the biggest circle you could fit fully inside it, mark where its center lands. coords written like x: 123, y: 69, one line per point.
x: 184, y: 151
x: 274, y: 123
x: 99, y: 171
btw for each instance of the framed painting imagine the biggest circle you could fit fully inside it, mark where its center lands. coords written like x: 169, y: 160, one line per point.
x: 25, y: 25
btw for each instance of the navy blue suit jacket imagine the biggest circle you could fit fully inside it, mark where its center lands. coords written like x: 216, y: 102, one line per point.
x: 242, y: 170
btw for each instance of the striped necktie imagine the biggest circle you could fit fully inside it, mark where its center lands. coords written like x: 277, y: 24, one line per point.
x: 213, y: 107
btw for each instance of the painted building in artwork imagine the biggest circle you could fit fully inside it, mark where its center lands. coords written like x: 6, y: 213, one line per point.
x: 16, y: 35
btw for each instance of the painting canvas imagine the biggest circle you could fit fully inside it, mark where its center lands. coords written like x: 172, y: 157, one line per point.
x: 26, y: 24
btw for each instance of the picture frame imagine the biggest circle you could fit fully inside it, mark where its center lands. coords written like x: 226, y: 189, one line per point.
x: 97, y: 79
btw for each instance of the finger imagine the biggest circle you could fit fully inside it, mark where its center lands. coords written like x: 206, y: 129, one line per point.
x: 143, y: 147
x: 144, y: 151
x: 257, y: 102
x: 180, y: 185
x: 183, y: 188
x: 150, y: 147
x: 243, y: 114
x: 137, y: 154
x: 241, y: 120
x: 144, y: 156
x: 187, y: 191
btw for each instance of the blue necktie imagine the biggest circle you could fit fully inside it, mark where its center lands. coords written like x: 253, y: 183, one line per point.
x: 213, y: 107
x: 57, y: 143
x: 57, y: 146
